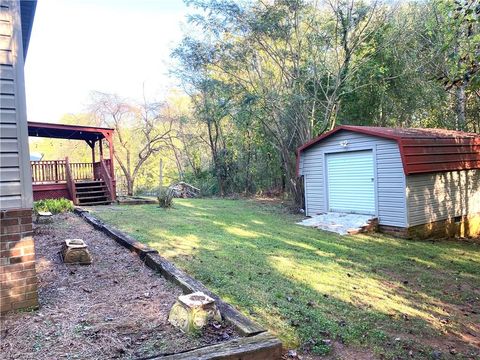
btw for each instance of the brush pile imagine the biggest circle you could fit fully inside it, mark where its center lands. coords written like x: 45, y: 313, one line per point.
x: 184, y: 190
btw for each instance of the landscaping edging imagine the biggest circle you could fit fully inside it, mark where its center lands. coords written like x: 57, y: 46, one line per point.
x: 263, y: 346
x: 257, y: 343
x: 123, y: 239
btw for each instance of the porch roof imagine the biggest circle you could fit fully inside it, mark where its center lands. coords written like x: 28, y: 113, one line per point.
x: 69, y: 132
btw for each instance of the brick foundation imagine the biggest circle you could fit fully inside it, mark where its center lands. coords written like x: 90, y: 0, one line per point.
x: 18, y: 279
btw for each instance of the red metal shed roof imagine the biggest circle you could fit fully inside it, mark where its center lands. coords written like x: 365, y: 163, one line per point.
x: 422, y: 150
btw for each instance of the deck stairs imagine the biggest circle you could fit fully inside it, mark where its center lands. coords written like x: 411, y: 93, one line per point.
x: 92, y: 192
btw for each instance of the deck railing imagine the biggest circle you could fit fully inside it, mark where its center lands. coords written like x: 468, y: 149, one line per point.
x: 105, y: 175
x: 48, y: 171
x: 82, y: 171
x: 54, y: 171
x: 54, y: 176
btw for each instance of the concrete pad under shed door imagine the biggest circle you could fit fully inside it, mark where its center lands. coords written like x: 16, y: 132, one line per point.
x: 339, y: 223
x: 351, y: 182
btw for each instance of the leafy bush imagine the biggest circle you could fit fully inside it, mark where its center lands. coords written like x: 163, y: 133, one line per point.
x: 165, y: 197
x: 205, y: 181
x: 55, y: 206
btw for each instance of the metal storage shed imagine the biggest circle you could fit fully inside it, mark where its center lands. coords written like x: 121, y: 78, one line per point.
x: 415, y: 181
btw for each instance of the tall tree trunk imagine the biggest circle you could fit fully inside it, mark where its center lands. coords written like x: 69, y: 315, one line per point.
x: 293, y: 185
x: 460, y: 107
x: 130, y: 182
x: 215, y: 157
x: 160, y: 179
x: 221, y: 186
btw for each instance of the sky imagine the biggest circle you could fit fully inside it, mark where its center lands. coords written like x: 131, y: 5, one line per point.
x: 114, y: 46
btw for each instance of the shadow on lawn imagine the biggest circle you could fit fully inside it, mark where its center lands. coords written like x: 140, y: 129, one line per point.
x: 309, y: 286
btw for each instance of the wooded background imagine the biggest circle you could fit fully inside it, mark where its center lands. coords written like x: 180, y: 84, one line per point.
x: 259, y: 78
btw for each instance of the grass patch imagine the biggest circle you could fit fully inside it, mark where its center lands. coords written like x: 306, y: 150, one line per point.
x: 389, y: 295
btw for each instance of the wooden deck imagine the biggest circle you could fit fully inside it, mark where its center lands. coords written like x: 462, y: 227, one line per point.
x: 81, y: 182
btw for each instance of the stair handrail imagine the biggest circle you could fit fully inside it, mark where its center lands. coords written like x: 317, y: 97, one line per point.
x: 70, y: 182
x: 105, y: 175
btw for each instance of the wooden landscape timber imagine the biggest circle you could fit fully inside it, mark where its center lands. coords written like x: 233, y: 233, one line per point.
x: 121, y: 238
x: 263, y: 346
x: 257, y: 343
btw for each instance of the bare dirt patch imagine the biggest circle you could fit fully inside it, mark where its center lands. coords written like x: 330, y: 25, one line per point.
x: 114, y: 308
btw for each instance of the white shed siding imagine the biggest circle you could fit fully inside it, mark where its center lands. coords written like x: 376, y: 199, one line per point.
x: 15, y: 177
x: 442, y: 195
x: 390, y: 178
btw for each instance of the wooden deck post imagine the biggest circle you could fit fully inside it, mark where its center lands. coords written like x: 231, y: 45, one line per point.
x: 93, y: 151
x: 110, y: 148
x: 56, y: 171
x: 101, y: 149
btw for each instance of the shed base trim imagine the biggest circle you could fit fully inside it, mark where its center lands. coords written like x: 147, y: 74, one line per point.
x: 460, y: 226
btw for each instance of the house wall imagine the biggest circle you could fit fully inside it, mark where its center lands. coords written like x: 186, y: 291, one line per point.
x: 18, y: 281
x: 390, y: 178
x: 444, y: 195
x: 15, y: 176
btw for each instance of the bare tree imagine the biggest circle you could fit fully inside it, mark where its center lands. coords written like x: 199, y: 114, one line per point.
x: 141, y: 130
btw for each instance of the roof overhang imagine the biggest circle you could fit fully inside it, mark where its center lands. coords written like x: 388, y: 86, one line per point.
x: 27, y: 14
x: 69, y: 132
x: 420, y: 153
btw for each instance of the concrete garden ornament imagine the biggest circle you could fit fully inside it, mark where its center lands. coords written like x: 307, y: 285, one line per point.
x: 75, y: 251
x: 44, y: 217
x: 193, y: 311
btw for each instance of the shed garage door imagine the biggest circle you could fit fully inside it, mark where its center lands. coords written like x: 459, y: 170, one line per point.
x: 351, y: 185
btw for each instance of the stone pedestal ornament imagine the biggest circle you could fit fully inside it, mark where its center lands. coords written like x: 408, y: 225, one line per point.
x: 44, y: 217
x: 75, y: 251
x: 193, y: 311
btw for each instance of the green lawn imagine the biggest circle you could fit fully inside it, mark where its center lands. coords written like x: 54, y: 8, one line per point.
x: 391, y: 297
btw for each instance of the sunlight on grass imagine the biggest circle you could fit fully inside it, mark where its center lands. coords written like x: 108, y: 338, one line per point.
x: 240, y: 232
x: 456, y: 255
x: 427, y: 263
x: 301, y: 282
x: 300, y: 244
x: 279, y: 327
x: 187, y: 204
x: 174, y: 245
x: 325, y: 254
x: 258, y: 222
x: 356, y: 289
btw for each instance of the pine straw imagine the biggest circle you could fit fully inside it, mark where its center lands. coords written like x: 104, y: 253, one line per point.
x: 114, y: 308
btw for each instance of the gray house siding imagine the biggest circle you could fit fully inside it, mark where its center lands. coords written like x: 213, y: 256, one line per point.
x: 15, y: 176
x: 390, y: 178
x: 443, y: 195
